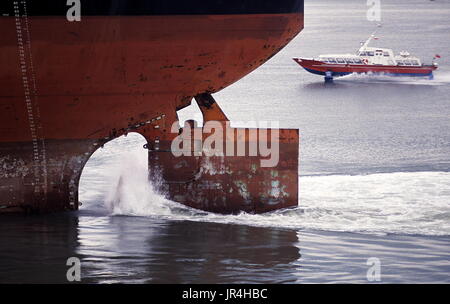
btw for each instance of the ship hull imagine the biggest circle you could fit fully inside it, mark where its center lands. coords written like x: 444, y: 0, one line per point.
x: 67, y: 88
x: 337, y: 70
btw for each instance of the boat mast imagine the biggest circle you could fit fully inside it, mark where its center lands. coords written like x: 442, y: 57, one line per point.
x: 366, y: 44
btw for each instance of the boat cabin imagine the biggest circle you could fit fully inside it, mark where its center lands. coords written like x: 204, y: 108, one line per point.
x: 377, y: 56
x: 372, y: 56
x: 405, y: 59
x: 381, y: 56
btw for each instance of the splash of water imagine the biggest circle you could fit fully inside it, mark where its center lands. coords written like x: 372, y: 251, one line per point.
x: 132, y: 193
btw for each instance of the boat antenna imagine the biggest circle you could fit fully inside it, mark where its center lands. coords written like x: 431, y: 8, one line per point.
x: 372, y: 36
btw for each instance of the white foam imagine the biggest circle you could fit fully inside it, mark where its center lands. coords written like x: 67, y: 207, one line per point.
x: 399, y: 203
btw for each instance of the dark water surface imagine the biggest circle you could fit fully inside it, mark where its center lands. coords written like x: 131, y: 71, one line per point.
x: 375, y: 178
x: 144, y: 250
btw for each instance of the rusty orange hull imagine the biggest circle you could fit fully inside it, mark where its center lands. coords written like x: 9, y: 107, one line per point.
x: 66, y: 88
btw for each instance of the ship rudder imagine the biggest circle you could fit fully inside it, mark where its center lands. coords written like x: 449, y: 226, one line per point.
x: 221, y: 169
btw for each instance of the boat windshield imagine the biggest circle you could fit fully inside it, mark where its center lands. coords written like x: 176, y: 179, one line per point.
x: 340, y: 60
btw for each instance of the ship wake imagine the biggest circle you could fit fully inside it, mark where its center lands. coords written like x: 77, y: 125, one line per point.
x: 385, y: 203
x: 440, y: 78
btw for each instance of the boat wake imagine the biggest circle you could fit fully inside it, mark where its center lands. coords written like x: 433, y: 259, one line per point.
x: 397, y: 203
x: 439, y: 79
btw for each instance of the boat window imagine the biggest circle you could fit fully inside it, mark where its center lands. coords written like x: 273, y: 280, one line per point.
x: 340, y: 60
x: 358, y: 61
x: 370, y: 53
x: 349, y: 60
x: 400, y: 62
x: 331, y: 60
x: 415, y: 62
x: 363, y: 54
x: 407, y: 62
x: 386, y: 54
